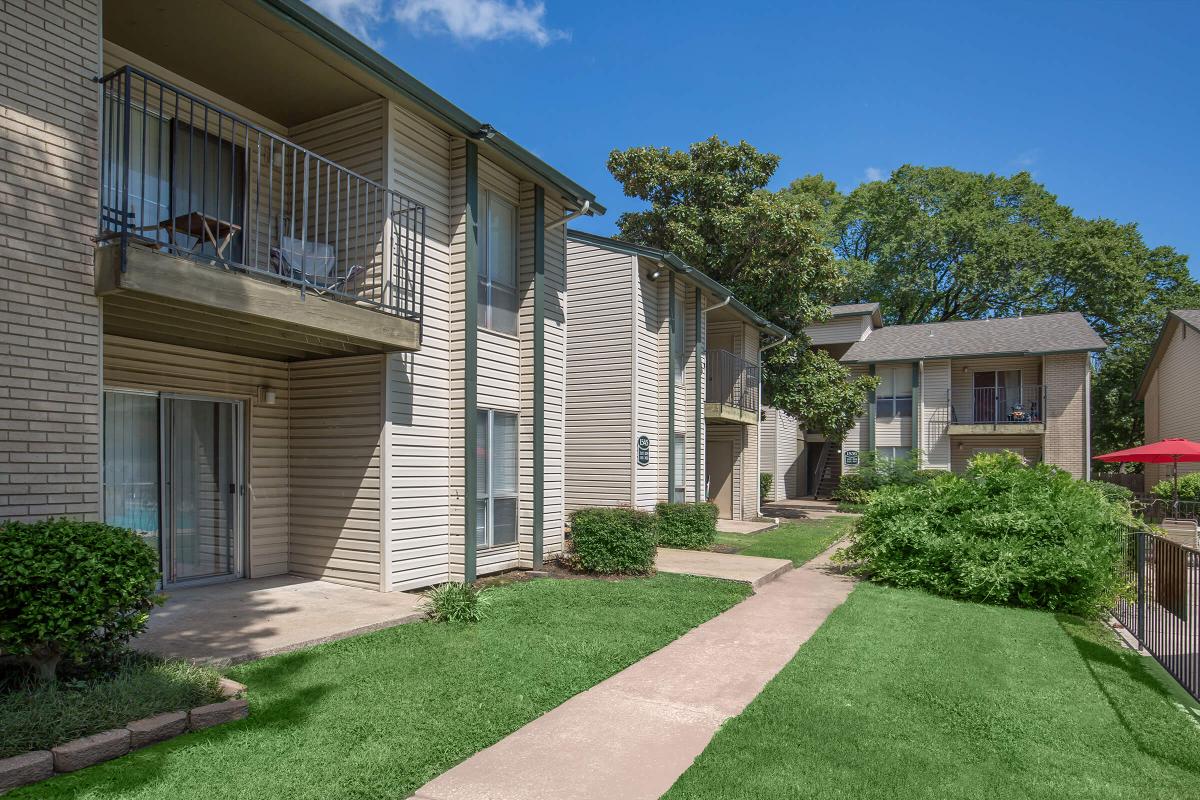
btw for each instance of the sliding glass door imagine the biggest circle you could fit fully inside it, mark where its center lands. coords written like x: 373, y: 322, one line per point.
x: 172, y: 472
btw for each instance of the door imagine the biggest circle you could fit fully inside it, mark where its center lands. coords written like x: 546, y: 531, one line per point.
x: 201, y: 488
x: 719, y: 463
x: 717, y: 386
x: 173, y: 474
x: 995, y: 394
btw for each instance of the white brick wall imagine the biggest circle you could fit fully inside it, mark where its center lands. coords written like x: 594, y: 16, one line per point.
x: 49, y: 316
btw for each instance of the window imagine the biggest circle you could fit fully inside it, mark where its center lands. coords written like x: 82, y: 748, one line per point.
x: 893, y: 398
x: 679, y: 478
x: 678, y: 338
x: 498, y: 300
x: 893, y: 453
x: 996, y: 394
x: 497, y: 463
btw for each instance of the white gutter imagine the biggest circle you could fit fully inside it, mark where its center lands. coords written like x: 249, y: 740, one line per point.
x: 584, y: 210
x: 758, y: 438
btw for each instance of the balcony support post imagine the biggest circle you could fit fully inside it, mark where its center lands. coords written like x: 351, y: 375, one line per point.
x: 539, y: 372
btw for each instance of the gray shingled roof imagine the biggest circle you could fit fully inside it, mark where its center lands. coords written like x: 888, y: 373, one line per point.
x: 1044, y: 333
x: 1189, y: 315
x: 853, y: 309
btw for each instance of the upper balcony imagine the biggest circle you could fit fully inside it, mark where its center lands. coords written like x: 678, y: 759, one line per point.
x: 998, y: 409
x: 731, y: 394
x: 217, y: 233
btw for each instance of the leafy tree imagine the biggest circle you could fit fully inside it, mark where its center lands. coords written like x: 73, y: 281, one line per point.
x: 936, y: 244
x: 710, y: 206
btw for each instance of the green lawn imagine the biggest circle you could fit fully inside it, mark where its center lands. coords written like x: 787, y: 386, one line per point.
x: 378, y: 715
x: 904, y: 695
x: 798, y: 541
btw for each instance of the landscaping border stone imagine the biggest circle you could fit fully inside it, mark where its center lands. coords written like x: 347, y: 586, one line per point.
x: 77, y: 754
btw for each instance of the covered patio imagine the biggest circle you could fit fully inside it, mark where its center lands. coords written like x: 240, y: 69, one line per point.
x: 243, y: 620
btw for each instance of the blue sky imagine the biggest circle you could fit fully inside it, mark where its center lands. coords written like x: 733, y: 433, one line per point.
x: 1098, y: 100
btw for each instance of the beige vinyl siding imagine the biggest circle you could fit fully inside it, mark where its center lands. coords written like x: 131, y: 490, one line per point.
x: 839, y: 331
x: 963, y: 447
x: 555, y: 377
x: 335, y: 441
x: 650, y: 319
x: 894, y: 431
x: 962, y: 372
x: 355, y: 138
x: 150, y: 366
x: 600, y: 366
x: 751, y: 467
x: 418, y: 456
x: 857, y: 437
x: 685, y: 389
x: 458, y: 255
x: 781, y: 453
x: 935, y: 414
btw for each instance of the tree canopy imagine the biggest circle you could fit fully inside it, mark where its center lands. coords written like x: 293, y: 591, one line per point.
x: 710, y: 206
x: 934, y: 243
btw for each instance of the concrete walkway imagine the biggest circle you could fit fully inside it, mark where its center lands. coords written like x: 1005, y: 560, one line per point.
x: 744, y: 525
x: 753, y: 570
x: 237, y: 621
x: 633, y: 735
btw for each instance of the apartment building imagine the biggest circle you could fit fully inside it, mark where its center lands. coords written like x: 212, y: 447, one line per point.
x: 272, y: 302
x: 662, y: 382
x: 1170, y: 386
x: 783, y: 444
x: 950, y: 390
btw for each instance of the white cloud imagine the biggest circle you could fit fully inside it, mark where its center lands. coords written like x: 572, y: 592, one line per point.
x: 873, y: 173
x: 1026, y: 159
x: 464, y: 20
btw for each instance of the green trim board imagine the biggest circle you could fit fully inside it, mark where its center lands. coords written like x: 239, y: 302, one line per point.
x: 311, y: 22
x: 697, y: 445
x: 871, y: 413
x: 539, y: 371
x: 471, y: 362
x: 671, y: 323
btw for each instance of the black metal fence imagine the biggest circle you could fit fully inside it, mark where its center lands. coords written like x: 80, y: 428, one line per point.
x: 1164, y: 609
x: 1155, y: 509
x: 731, y: 381
x: 183, y: 176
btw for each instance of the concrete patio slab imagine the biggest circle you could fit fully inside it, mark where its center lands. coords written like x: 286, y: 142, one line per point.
x: 753, y: 570
x: 633, y: 735
x: 242, y: 620
x: 804, y: 509
x: 745, y: 526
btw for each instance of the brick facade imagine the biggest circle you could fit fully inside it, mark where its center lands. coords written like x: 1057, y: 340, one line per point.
x: 49, y: 315
x: 1065, y: 377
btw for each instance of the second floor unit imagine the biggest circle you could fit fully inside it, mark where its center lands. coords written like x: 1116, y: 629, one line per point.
x: 1170, y: 386
x: 663, y: 381
x: 950, y: 390
x: 281, y: 307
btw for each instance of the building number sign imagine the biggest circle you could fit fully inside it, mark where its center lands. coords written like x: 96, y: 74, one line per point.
x: 643, y: 450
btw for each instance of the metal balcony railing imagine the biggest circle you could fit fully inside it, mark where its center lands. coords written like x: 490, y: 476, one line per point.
x: 732, y: 381
x: 1002, y: 406
x: 185, y: 177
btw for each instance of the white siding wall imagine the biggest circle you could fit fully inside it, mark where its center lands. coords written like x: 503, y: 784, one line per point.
x: 856, y: 438
x: 935, y: 414
x: 781, y: 454
x: 650, y: 319
x: 840, y: 331
x: 418, y: 488
x: 600, y: 367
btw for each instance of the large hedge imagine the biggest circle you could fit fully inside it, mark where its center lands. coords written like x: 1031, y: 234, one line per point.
x: 690, y: 526
x: 1189, y: 488
x: 70, y: 589
x: 613, y: 541
x: 1003, y: 533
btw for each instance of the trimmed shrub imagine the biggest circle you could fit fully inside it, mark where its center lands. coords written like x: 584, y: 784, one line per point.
x: 852, y: 488
x: 1114, y: 493
x: 613, y: 541
x: 1004, y: 533
x: 765, y: 483
x: 690, y: 526
x: 73, y: 590
x: 1189, y: 488
x: 875, y: 472
x: 454, y: 602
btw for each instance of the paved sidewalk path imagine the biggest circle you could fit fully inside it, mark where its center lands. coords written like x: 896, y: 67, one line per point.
x: 754, y: 570
x: 633, y: 735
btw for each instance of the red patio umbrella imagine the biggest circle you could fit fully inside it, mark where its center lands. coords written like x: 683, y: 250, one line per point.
x: 1168, y: 451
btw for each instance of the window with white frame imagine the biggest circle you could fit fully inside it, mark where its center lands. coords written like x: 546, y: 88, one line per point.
x: 497, y: 462
x: 893, y: 453
x: 894, y: 397
x: 679, y: 479
x: 498, y: 298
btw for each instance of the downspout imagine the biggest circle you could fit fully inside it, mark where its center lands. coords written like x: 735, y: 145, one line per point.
x: 758, y: 439
x: 584, y: 210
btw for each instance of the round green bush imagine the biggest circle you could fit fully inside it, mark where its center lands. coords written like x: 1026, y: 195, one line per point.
x: 1004, y: 533
x: 70, y: 589
x: 1189, y: 488
x: 454, y: 602
x: 613, y: 541
x: 1114, y: 492
x: 852, y: 488
x: 689, y: 526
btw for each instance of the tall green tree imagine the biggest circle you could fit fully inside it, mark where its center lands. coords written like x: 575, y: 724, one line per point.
x: 710, y: 206
x: 936, y: 244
